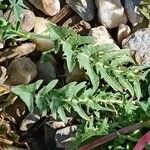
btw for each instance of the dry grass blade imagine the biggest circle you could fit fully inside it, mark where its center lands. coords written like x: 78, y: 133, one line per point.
x: 3, y: 75
x: 63, y: 13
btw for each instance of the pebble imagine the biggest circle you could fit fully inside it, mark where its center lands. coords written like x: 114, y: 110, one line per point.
x: 46, y: 72
x: 123, y: 32
x: 27, y: 19
x: 101, y: 34
x: 42, y: 44
x: 28, y: 121
x: 64, y: 136
x: 21, y: 71
x: 110, y: 13
x: 139, y: 44
x: 49, y: 7
x: 84, y: 8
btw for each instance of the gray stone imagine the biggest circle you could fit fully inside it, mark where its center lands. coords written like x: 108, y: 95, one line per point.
x: 64, y: 136
x: 21, y: 71
x: 133, y: 14
x: 110, y: 13
x: 84, y: 8
x: 47, y: 70
x: 139, y: 44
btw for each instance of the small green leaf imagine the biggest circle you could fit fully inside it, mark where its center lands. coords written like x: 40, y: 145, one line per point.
x: 126, y: 84
x: 18, y: 8
x: 122, y: 60
x: 130, y: 107
x: 108, y: 78
x: 79, y: 110
x: 137, y: 88
x: 62, y: 115
x: 67, y: 48
x: 40, y: 96
x: 114, y: 54
x: 80, y: 40
x: 57, y: 32
x: 27, y: 93
x: 84, y: 62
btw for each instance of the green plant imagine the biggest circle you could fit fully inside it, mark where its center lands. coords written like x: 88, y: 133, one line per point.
x: 145, y: 8
x: 111, y: 97
x: 109, y: 100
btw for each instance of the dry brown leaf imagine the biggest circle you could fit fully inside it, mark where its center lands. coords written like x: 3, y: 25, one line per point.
x: 19, y: 51
x: 3, y: 75
x: 5, y: 141
x: 24, y: 49
x: 63, y: 13
x: 7, y: 132
x: 4, y: 89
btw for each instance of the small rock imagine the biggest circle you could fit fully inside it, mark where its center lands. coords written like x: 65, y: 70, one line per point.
x: 21, y: 71
x: 58, y: 124
x: 139, y: 44
x: 101, y: 34
x: 46, y: 71
x: 28, y: 121
x: 40, y: 25
x: 64, y: 136
x: 84, y: 8
x: 49, y: 7
x: 42, y: 44
x: 123, y: 32
x: 110, y: 13
x: 27, y: 19
x: 133, y: 14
